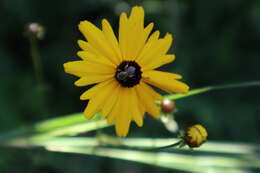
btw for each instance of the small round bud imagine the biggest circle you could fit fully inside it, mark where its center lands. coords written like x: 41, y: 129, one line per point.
x: 168, y: 106
x: 35, y: 30
x: 195, y: 135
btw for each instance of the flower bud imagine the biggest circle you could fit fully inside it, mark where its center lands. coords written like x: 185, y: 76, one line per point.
x: 168, y: 106
x: 35, y: 30
x: 195, y: 135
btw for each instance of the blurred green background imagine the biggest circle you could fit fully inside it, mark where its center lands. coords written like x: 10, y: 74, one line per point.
x: 216, y: 42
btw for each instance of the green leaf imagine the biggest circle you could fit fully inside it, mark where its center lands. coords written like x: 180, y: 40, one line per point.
x: 222, y: 157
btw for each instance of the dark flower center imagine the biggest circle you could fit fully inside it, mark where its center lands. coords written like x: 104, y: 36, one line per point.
x: 128, y: 74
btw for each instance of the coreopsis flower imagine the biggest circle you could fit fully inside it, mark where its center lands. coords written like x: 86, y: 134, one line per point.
x: 122, y: 70
x: 195, y: 135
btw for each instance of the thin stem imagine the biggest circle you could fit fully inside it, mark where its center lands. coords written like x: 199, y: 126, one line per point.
x: 168, y: 146
x: 36, y: 59
x: 211, y: 88
x: 117, y: 142
x: 38, y: 70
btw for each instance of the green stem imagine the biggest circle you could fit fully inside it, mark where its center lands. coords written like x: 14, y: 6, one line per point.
x: 211, y: 88
x: 105, y: 140
x: 38, y: 70
x: 168, y: 146
x: 36, y: 59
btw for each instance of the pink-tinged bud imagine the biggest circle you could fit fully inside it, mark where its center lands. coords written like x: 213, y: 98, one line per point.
x: 35, y: 30
x: 168, y: 106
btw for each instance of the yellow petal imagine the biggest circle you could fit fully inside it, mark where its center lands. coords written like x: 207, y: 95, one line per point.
x: 147, y: 100
x: 137, y: 16
x: 151, y: 92
x: 115, y: 111
x: 153, y: 37
x: 135, y: 32
x: 95, y: 89
x: 88, y: 47
x: 154, y: 49
x: 137, y: 113
x: 165, y: 81
x: 148, y: 30
x: 137, y: 39
x: 97, y: 39
x: 110, y: 102
x: 88, y: 56
x: 158, y: 62
x: 96, y: 102
x: 85, y: 68
x: 92, y: 79
x: 123, y: 118
x: 123, y: 38
x: 110, y: 36
x: 132, y: 34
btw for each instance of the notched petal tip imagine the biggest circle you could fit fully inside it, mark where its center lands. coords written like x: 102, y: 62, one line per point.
x: 82, y: 24
x: 81, y: 43
x: 66, y: 66
x: 123, y: 18
x: 186, y: 88
x: 122, y: 132
x: 137, y: 10
x: 168, y: 37
x: 79, y: 82
x: 88, y: 116
x: 105, y: 22
x: 137, y: 7
x: 139, y: 122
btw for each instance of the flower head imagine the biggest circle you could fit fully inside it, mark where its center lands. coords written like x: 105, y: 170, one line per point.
x: 35, y: 30
x: 122, y: 70
x: 195, y: 135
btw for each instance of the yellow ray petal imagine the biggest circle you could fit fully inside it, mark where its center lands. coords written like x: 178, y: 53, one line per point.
x: 154, y: 49
x: 137, y: 40
x: 115, y: 111
x: 151, y: 92
x: 94, y: 53
x: 137, y: 114
x: 91, y: 92
x: 85, y: 68
x: 158, y: 62
x: 123, y: 118
x: 148, y: 29
x: 95, y: 103
x: 92, y: 79
x: 135, y: 32
x: 88, y: 56
x: 137, y: 16
x: 132, y: 34
x: 123, y: 38
x: 88, y: 47
x: 97, y: 39
x: 110, y: 36
x: 153, y: 37
x: 147, y: 100
x: 159, y: 74
x: 165, y: 81
x: 110, y: 102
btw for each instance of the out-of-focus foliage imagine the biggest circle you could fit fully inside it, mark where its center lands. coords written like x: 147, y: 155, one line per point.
x: 216, y: 42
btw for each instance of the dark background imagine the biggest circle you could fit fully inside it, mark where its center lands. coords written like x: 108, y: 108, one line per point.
x: 216, y: 42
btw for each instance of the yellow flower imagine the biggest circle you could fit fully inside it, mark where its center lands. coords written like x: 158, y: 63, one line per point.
x: 122, y: 70
x: 195, y: 135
